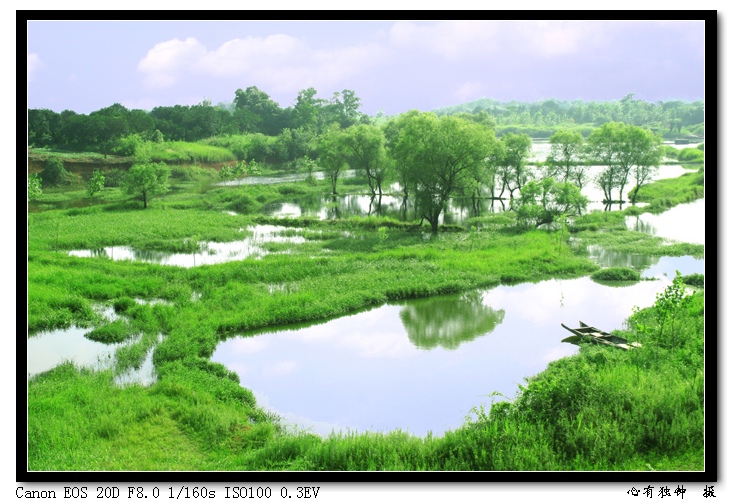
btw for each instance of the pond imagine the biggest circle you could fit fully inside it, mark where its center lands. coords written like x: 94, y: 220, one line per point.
x: 49, y: 349
x: 684, y: 222
x: 422, y: 365
x: 210, y: 252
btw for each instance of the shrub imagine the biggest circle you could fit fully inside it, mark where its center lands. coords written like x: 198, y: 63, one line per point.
x: 243, y: 203
x: 697, y: 280
x: 691, y: 155
x: 616, y: 274
x: 114, y: 332
x: 54, y: 173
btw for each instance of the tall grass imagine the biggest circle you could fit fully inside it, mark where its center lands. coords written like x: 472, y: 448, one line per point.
x: 183, y: 152
x: 603, y: 409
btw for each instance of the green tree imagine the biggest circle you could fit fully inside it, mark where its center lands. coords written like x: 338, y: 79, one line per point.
x: 146, y: 180
x: 546, y: 200
x: 364, y: 150
x: 565, y: 161
x: 307, y: 110
x: 513, y: 170
x: 255, y: 111
x: 439, y: 153
x: 331, y: 156
x: 96, y: 183
x: 34, y: 187
x: 624, y: 150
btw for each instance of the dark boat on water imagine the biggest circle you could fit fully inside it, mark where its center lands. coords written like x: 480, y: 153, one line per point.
x: 595, y: 335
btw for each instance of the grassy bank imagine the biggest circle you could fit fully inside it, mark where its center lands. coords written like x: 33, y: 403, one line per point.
x: 600, y: 409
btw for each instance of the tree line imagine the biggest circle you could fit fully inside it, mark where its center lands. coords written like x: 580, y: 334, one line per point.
x: 663, y: 117
x: 115, y: 129
x: 435, y: 158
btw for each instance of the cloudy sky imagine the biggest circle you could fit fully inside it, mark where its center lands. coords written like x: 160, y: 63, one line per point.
x: 392, y: 66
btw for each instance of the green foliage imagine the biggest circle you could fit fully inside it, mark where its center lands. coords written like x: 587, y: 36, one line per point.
x: 697, y: 280
x: 128, y: 146
x: 599, y: 410
x: 113, y: 332
x: 192, y: 173
x: 183, y: 152
x: 34, y: 187
x: 670, y: 307
x: 436, y: 156
x: 95, y: 184
x: 616, y: 274
x: 692, y: 155
x: 146, y: 181
x: 546, y: 201
x: 669, y: 152
x: 54, y: 173
x: 564, y: 161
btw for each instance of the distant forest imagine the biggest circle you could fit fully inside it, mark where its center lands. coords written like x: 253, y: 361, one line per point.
x: 117, y: 130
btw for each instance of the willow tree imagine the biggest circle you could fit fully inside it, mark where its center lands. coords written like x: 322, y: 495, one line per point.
x: 331, y: 154
x: 565, y: 161
x: 438, y: 155
x: 364, y: 150
x: 513, y: 169
x: 624, y: 150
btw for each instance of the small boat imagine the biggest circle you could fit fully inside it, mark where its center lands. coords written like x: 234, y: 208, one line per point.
x: 595, y: 335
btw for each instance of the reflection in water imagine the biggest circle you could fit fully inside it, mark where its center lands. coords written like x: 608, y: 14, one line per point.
x: 209, y: 252
x: 447, y: 322
x: 606, y: 258
x: 372, y: 370
x: 684, y: 222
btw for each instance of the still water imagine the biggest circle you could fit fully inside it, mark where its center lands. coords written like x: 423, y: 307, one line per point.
x: 422, y: 365
x: 684, y: 222
x: 209, y: 252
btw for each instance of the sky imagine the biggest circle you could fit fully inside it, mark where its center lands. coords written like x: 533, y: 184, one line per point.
x: 391, y: 66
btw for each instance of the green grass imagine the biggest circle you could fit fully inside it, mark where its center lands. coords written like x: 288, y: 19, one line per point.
x: 184, y: 152
x: 616, y: 274
x: 602, y: 409
x: 667, y: 193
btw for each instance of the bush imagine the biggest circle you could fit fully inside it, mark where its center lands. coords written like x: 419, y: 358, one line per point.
x: 114, y: 332
x: 616, y: 274
x: 54, y: 173
x: 113, y: 178
x: 191, y: 173
x: 244, y: 204
x: 691, y: 155
x: 697, y: 280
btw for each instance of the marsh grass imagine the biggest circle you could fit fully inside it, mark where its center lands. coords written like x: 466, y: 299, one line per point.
x: 602, y: 409
x: 616, y: 274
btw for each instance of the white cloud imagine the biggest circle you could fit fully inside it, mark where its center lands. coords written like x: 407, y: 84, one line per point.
x: 278, y: 62
x: 34, y: 64
x: 167, y: 61
x: 460, y: 40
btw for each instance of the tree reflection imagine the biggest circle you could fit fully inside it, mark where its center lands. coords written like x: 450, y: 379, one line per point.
x: 448, y: 321
x: 150, y: 256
